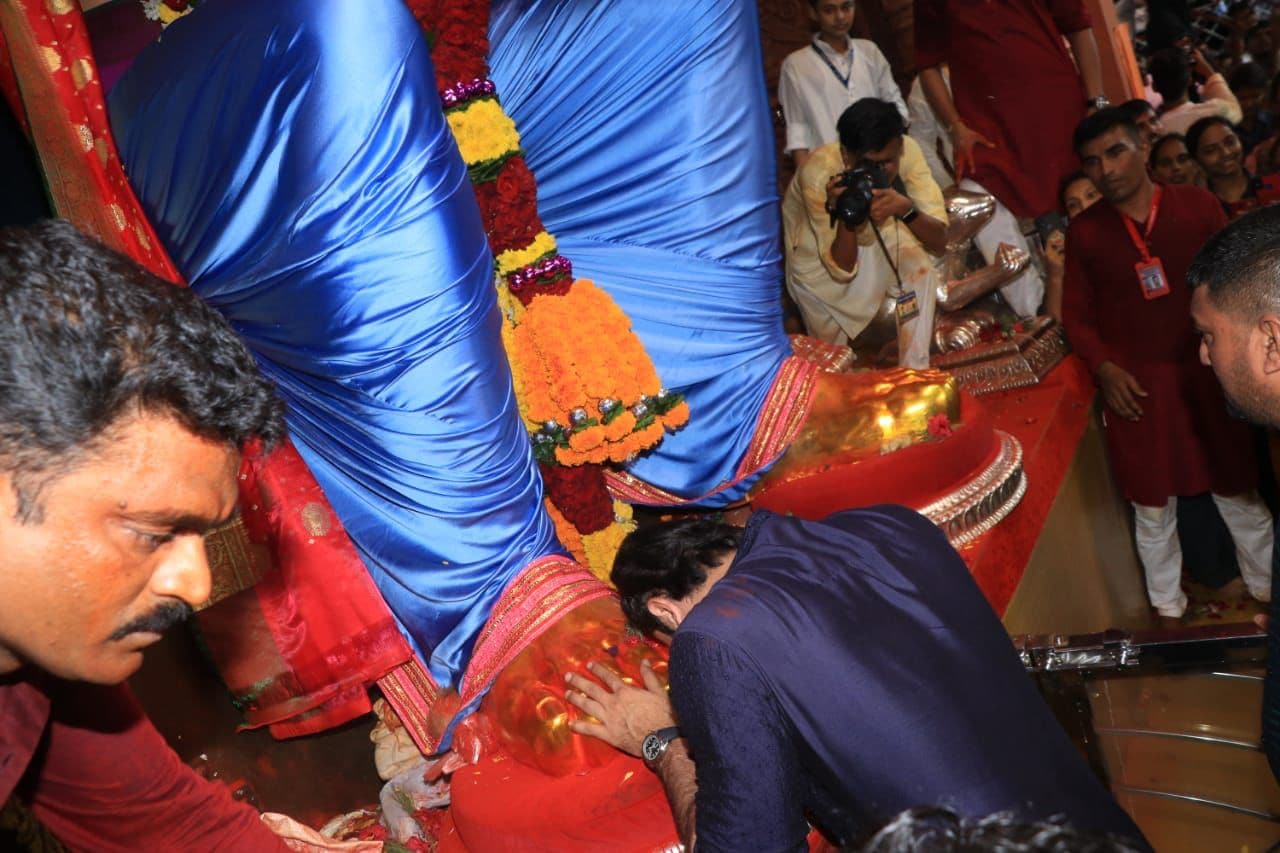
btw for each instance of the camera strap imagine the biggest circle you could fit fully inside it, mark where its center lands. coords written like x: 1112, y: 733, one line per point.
x: 883, y: 248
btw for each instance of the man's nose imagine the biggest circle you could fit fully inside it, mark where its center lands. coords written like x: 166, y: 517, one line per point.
x: 1204, y: 354
x: 185, y: 572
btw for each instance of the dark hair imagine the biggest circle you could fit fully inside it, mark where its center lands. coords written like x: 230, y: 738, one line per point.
x: 669, y: 559
x: 1136, y: 108
x: 1249, y: 75
x: 1197, y: 130
x: 1066, y: 183
x: 869, y: 124
x: 1159, y: 143
x: 1091, y: 127
x: 1170, y: 71
x: 87, y: 337
x: 933, y: 829
x: 1241, y: 265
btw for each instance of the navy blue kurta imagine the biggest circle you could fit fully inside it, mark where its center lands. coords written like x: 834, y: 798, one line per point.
x: 851, y: 668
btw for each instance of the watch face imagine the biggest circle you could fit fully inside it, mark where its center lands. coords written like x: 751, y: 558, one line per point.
x: 651, y: 748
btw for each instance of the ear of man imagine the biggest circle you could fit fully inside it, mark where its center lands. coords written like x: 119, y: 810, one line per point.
x: 666, y: 610
x: 1269, y: 329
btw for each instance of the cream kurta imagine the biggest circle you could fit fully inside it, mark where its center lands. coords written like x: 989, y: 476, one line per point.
x: 837, y: 303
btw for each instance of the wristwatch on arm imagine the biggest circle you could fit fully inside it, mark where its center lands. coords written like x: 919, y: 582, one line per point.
x: 656, y: 742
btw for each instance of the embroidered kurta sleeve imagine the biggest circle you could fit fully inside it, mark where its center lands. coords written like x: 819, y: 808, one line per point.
x: 750, y: 785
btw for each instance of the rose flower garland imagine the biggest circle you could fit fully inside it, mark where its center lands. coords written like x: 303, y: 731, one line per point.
x: 584, y: 406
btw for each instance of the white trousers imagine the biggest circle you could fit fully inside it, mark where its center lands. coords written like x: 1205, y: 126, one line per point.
x: 1156, y: 533
x: 1024, y: 293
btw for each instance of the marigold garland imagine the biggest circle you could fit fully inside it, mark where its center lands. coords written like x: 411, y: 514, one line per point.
x: 587, y: 391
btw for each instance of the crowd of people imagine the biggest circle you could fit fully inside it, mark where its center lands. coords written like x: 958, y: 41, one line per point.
x: 1045, y: 143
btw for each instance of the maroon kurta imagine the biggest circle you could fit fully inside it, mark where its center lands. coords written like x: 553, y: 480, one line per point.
x: 1013, y: 81
x: 97, y: 774
x: 1185, y: 443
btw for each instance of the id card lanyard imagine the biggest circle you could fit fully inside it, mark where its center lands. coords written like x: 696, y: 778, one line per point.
x: 1151, y: 277
x: 843, y: 78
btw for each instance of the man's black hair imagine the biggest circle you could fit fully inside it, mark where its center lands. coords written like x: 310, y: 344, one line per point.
x: 940, y: 830
x: 1240, y: 265
x: 869, y: 124
x: 1137, y: 108
x: 1066, y: 182
x: 88, y: 338
x: 1170, y: 71
x: 1103, y: 121
x: 668, y: 559
x: 1199, y: 127
x: 1160, y: 142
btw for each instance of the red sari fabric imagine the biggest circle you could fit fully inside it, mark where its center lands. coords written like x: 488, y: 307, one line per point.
x: 1013, y: 81
x: 1185, y: 443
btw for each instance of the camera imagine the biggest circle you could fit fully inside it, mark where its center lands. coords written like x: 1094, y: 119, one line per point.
x: 853, y: 207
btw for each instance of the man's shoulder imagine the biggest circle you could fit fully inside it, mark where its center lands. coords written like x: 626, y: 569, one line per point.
x: 799, y: 58
x: 867, y: 49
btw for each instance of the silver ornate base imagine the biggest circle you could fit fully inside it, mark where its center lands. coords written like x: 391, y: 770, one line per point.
x: 1018, y: 362
x: 982, y: 503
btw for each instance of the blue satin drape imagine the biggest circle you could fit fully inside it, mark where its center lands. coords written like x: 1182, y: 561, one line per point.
x: 647, y: 126
x: 295, y: 161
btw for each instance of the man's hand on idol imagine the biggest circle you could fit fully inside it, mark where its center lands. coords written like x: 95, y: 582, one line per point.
x: 1121, y: 391
x: 626, y: 714
x: 887, y: 203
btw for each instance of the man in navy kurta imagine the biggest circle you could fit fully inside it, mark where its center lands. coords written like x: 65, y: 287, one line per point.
x: 846, y: 669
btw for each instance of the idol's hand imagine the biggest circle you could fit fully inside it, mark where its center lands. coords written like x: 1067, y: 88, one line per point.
x: 1121, y: 390
x: 626, y: 714
x: 965, y: 139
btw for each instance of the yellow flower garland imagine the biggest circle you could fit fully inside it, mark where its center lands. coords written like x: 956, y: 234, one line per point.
x: 575, y: 361
x: 483, y: 131
x: 513, y: 259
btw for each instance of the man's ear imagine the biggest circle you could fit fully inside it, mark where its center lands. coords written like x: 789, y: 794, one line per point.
x: 1269, y: 331
x: 665, y: 610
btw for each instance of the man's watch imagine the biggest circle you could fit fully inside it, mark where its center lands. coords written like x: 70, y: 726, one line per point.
x: 656, y: 742
x: 911, y: 214
x: 1099, y: 102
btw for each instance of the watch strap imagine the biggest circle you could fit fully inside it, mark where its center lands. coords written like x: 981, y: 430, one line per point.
x: 911, y: 214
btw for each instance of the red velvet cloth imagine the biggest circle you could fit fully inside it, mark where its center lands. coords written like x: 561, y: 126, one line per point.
x: 1185, y: 443
x: 1048, y: 420
x: 99, y: 776
x: 1013, y: 81
x: 501, y: 804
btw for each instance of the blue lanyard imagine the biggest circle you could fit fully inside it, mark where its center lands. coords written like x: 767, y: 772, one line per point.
x: 843, y: 78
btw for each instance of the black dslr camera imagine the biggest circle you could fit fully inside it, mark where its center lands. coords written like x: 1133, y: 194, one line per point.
x: 853, y: 207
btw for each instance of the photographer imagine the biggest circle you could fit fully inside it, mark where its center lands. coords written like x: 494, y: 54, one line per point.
x: 864, y: 219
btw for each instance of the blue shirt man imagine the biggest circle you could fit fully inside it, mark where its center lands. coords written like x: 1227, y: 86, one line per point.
x: 844, y: 669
